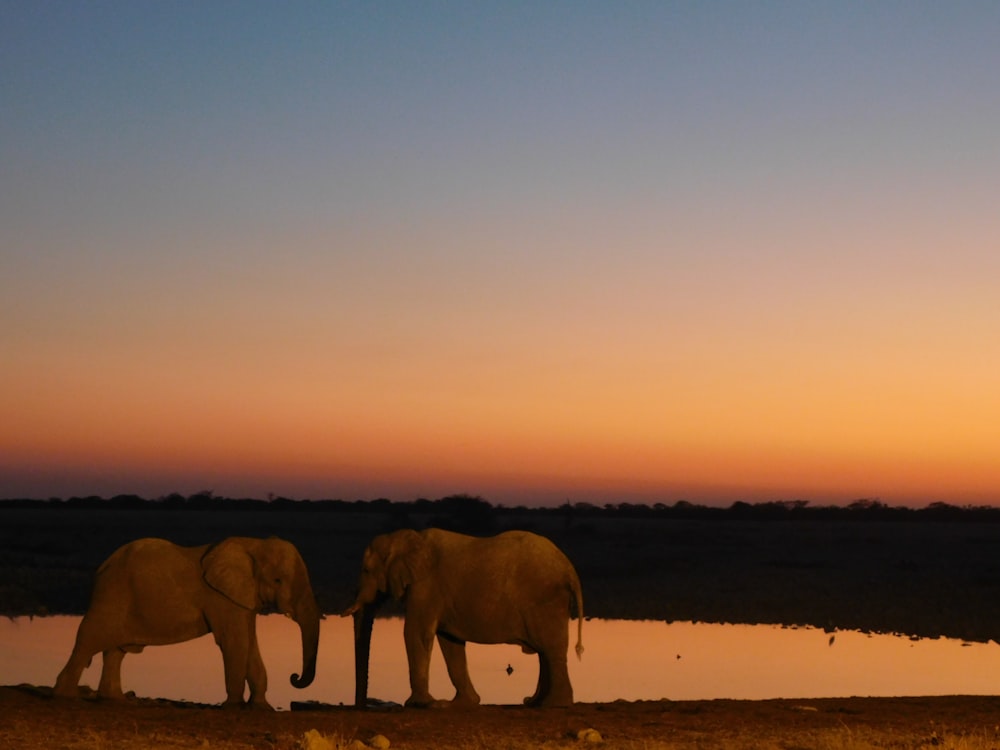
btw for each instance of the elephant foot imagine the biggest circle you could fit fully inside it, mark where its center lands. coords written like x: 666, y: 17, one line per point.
x: 421, y: 701
x: 112, y: 691
x: 259, y: 705
x: 549, y: 701
x: 66, y: 691
x: 66, y: 686
x: 463, y: 702
x: 114, y: 697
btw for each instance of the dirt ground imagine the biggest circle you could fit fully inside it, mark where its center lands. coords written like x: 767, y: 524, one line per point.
x: 30, y: 719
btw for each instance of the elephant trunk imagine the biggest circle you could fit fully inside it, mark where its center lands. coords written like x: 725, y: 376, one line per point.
x: 307, y: 615
x: 364, y: 619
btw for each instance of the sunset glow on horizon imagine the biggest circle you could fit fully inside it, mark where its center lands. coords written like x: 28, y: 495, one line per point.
x: 578, y: 252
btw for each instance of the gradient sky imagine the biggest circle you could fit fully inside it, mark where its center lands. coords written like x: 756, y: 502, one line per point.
x: 535, y: 252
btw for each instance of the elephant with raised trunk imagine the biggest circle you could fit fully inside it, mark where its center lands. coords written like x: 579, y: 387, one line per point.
x: 516, y: 588
x: 153, y: 592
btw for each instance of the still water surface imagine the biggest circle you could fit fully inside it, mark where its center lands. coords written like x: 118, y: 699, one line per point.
x: 624, y: 659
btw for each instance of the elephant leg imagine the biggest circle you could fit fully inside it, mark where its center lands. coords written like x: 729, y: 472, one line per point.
x: 233, y: 641
x: 256, y: 674
x: 68, y: 681
x: 458, y: 670
x: 110, y: 686
x: 557, y: 690
x: 544, y: 683
x: 549, y: 636
x: 419, y: 642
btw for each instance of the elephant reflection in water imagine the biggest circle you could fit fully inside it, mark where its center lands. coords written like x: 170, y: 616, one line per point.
x: 152, y: 592
x: 516, y: 588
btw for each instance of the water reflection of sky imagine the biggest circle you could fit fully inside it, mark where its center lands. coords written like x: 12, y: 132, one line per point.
x: 627, y: 660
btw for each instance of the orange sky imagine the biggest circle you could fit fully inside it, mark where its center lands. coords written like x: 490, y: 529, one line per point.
x: 673, y: 254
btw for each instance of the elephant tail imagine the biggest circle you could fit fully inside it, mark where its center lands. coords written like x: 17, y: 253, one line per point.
x: 578, y: 595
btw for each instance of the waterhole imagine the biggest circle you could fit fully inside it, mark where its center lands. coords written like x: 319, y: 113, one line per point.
x: 623, y: 660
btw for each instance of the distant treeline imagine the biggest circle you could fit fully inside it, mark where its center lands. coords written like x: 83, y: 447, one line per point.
x: 472, y: 508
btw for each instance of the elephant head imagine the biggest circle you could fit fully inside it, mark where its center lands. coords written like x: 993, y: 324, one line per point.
x: 267, y: 575
x: 391, y: 564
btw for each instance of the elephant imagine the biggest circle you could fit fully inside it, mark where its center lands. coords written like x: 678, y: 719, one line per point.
x: 516, y: 587
x: 153, y: 592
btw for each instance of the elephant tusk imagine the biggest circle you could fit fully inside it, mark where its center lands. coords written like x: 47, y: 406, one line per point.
x: 350, y: 610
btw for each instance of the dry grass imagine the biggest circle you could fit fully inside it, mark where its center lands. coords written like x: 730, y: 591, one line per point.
x: 26, y: 738
x: 31, y: 720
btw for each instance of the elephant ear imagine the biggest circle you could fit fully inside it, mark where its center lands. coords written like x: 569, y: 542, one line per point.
x: 229, y: 569
x: 409, y: 561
